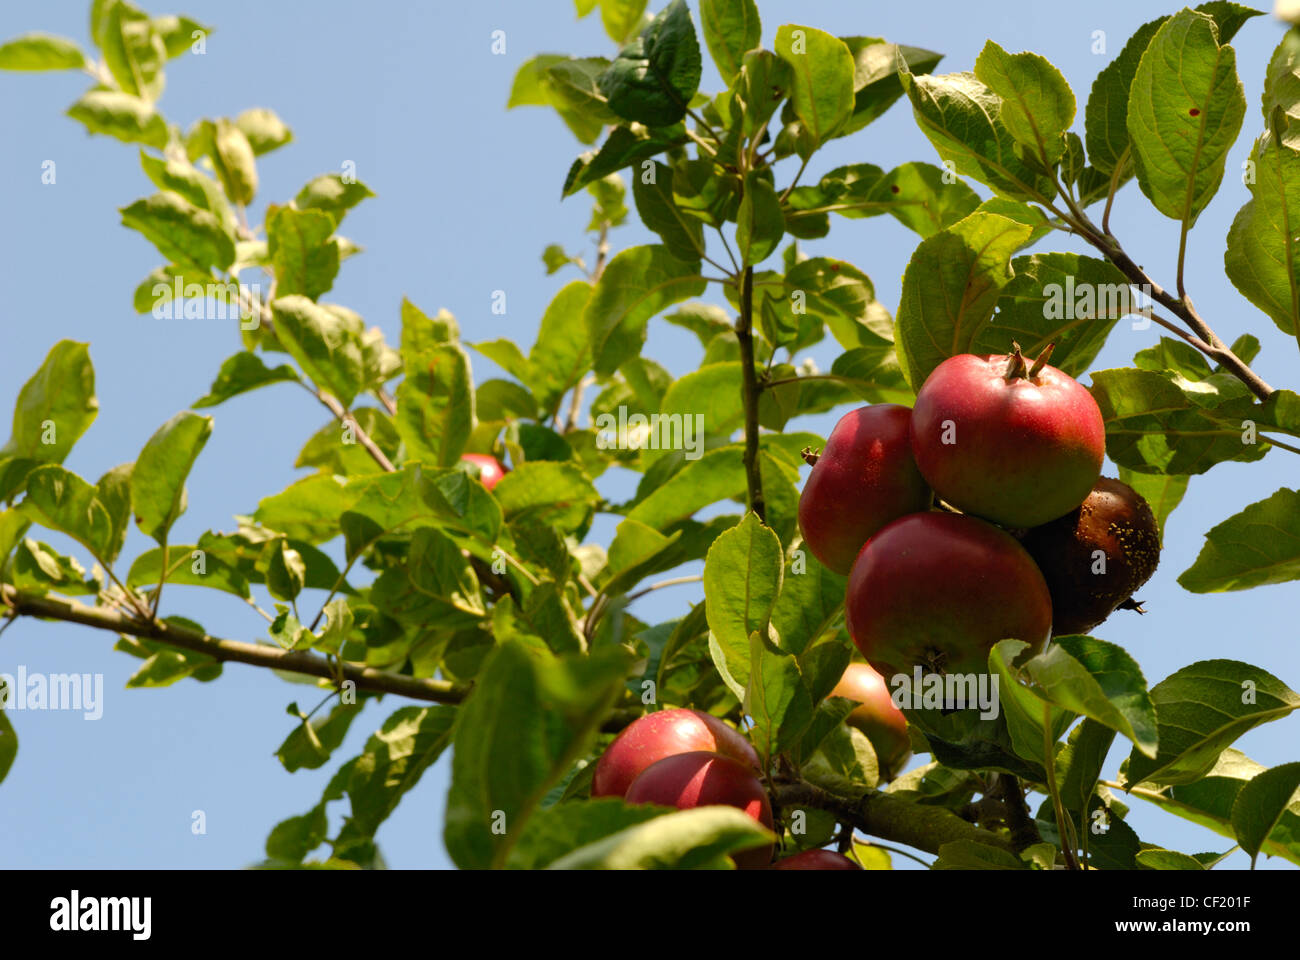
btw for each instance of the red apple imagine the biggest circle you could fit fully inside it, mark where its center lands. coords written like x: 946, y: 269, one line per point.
x: 938, y: 590
x: 878, y: 719
x: 865, y: 478
x: 701, y: 779
x: 816, y: 860
x: 663, y: 734
x: 490, y: 470
x: 1013, y: 444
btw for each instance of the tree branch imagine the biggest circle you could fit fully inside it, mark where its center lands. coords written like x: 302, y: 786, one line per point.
x: 882, y: 815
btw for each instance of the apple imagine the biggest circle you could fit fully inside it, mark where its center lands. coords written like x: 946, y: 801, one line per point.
x: 816, y: 860
x: 1019, y: 446
x: 865, y: 478
x: 878, y: 719
x: 664, y: 733
x: 1096, y: 556
x: 938, y: 590
x: 490, y: 470
x: 702, y: 779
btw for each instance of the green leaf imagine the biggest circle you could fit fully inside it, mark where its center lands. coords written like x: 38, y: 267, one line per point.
x: 1021, y: 707
x: 232, y: 156
x: 876, y: 83
x: 811, y: 600
x: 1037, y: 103
x: 1184, y: 113
x: 291, y: 840
x: 240, y: 374
x: 1063, y: 298
x: 264, y: 129
x: 742, y: 579
x: 962, y: 119
x: 731, y: 29
x: 970, y: 855
x: 1210, y: 802
x: 134, y: 49
x: 1106, y: 115
x: 950, y: 288
x: 312, y: 742
x: 326, y: 347
x: 158, y: 481
x: 1167, y: 860
x: 187, y: 566
x: 183, y: 233
x: 655, y: 76
x: 8, y: 742
x: 718, y: 475
x: 41, y: 51
x: 1152, y: 425
x: 621, y: 148
x: 1099, y: 680
x: 1263, y: 257
x: 305, y: 258
x: 619, y: 17
x: 55, y: 407
x: 683, y: 235
x: 698, y: 839
x: 37, y: 566
x: 62, y: 501
x: 637, y: 283
x: 394, y: 759
x: 1201, y: 709
x: 1261, y: 804
x: 557, y: 493
x: 1079, y: 764
x: 334, y: 193
x: 528, y: 719
x: 1257, y: 546
x: 121, y: 115
x: 823, y: 70
x: 1163, y: 493
x: 556, y: 831
x: 776, y: 697
x: 178, y: 175
x: 561, y: 355
x: 760, y: 224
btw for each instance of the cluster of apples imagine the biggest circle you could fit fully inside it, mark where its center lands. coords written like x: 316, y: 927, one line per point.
x: 1026, y: 539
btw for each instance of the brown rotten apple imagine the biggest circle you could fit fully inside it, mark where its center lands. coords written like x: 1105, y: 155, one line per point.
x: 1096, y: 556
x: 938, y: 590
x: 865, y: 478
x: 878, y: 719
x: 701, y: 779
x: 1013, y: 444
x: 663, y: 734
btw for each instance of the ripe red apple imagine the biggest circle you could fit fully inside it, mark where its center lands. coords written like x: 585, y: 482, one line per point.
x: 938, y: 590
x: 1016, y: 445
x: 663, y: 734
x: 865, y: 478
x: 490, y: 470
x: 815, y: 860
x: 878, y: 719
x: 1096, y: 556
x: 701, y: 779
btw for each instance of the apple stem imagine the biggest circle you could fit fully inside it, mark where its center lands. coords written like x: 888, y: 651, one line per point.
x: 1042, y: 360
x: 1016, y: 369
x: 1131, y: 604
x: 810, y: 456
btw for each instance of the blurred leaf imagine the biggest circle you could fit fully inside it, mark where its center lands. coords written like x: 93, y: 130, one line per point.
x: 158, y: 481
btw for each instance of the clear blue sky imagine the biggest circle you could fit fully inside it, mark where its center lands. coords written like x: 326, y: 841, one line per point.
x: 468, y: 195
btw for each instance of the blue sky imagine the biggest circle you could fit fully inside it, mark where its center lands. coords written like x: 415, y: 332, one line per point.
x: 467, y: 197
